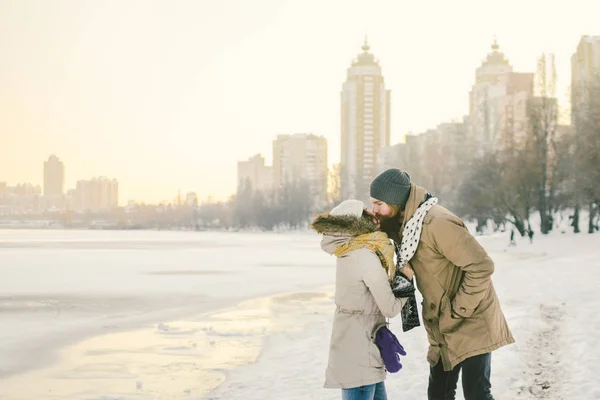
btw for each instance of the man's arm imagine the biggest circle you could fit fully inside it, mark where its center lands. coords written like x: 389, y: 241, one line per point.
x: 452, y: 239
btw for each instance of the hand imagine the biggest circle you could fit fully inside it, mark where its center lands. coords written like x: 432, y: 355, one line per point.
x: 408, y: 271
x: 401, y: 285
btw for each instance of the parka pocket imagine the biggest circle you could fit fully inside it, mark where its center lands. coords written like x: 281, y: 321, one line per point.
x: 448, y: 322
x: 375, y: 359
x: 373, y: 356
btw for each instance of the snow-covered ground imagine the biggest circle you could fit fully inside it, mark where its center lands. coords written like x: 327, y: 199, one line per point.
x: 160, y: 315
x: 549, y: 293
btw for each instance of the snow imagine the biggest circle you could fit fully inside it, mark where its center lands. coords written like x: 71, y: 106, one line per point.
x: 548, y: 292
x: 187, y: 315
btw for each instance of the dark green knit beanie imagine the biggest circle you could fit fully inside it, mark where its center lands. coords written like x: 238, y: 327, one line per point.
x: 391, y: 186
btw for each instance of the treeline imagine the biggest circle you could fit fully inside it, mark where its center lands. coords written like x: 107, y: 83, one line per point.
x: 291, y: 206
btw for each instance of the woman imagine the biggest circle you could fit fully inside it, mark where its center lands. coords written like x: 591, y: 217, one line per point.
x: 363, y: 297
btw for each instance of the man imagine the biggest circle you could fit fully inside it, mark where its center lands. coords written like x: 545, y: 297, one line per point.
x: 461, y: 312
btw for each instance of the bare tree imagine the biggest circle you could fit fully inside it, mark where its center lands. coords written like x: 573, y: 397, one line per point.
x: 586, y: 120
x: 499, y: 188
x: 244, y: 215
x: 543, y: 123
x: 295, y: 204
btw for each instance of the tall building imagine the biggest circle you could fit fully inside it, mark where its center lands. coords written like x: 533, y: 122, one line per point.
x: 514, y: 109
x: 431, y: 157
x: 498, y: 104
x: 254, y: 174
x: 585, y: 63
x: 97, y: 195
x: 301, y: 157
x: 453, y: 136
x: 585, y: 74
x: 415, y: 148
x: 54, y: 177
x: 191, y: 199
x: 365, y: 124
x: 392, y: 157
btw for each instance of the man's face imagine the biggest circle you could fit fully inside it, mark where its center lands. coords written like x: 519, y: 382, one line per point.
x: 372, y: 215
x: 383, y: 210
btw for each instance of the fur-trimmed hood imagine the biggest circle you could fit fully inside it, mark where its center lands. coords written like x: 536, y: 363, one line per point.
x: 339, y: 229
x: 342, y: 225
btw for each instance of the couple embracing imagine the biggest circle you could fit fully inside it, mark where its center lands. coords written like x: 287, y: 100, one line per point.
x: 460, y: 310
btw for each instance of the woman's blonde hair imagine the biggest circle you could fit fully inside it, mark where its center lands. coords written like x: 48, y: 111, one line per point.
x: 395, y: 209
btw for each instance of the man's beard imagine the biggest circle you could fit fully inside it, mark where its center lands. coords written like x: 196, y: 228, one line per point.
x: 391, y: 226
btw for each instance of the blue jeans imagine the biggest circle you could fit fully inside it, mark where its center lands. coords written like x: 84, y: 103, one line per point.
x: 369, y: 392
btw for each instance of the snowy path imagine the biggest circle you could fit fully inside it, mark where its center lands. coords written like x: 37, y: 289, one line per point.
x: 545, y: 370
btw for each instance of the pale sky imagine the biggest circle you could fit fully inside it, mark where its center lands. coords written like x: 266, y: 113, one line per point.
x: 169, y: 95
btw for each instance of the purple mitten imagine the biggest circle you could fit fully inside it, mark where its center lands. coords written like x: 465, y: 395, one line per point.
x: 390, y: 349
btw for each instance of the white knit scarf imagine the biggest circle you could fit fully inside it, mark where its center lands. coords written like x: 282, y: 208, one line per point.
x: 412, y: 232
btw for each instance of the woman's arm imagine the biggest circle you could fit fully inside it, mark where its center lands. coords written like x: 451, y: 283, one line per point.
x: 377, y: 281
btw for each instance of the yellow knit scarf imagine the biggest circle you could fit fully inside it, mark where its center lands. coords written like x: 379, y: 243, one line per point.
x: 378, y: 243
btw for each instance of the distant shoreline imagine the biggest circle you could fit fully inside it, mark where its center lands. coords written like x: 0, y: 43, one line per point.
x: 137, y: 229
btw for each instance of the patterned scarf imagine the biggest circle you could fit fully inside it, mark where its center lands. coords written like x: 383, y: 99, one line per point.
x: 378, y: 243
x: 401, y: 286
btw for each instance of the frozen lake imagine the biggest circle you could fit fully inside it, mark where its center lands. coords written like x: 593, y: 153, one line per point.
x: 60, y: 287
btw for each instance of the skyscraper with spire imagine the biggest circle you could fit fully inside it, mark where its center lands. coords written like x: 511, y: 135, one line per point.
x: 365, y: 124
x: 498, y: 104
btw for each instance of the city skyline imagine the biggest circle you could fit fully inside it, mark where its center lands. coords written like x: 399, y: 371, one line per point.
x: 168, y: 109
